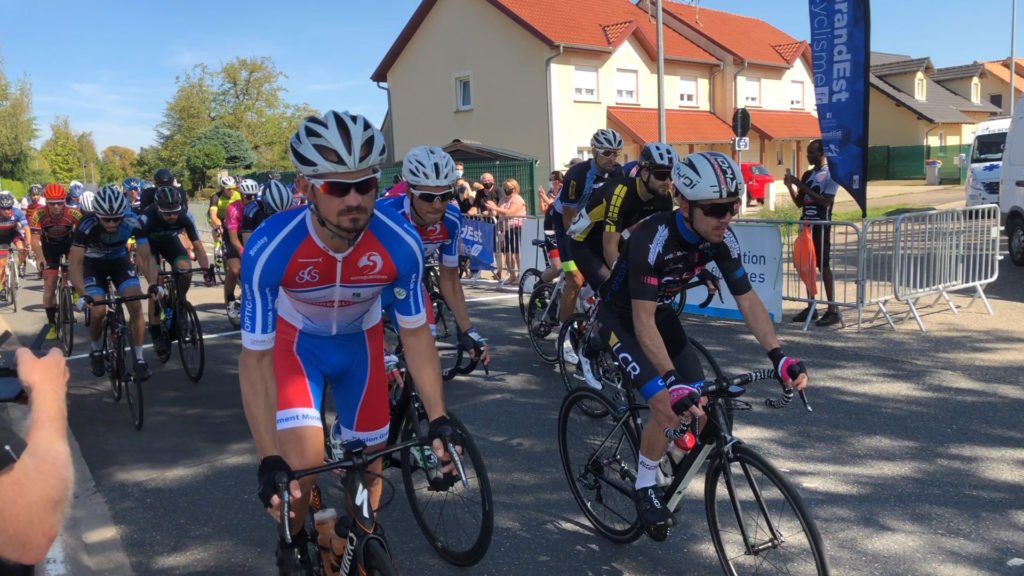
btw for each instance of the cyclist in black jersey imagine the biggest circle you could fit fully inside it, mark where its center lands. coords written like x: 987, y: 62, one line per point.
x: 662, y: 254
x: 274, y: 197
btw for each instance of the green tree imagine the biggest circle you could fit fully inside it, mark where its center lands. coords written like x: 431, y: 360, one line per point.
x: 17, y: 127
x: 238, y: 152
x: 249, y: 99
x: 201, y: 158
x: 88, y: 158
x: 118, y: 163
x: 188, y: 113
x: 61, y: 151
x: 147, y: 162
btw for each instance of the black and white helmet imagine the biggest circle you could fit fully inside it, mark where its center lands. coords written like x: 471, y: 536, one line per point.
x: 109, y: 202
x: 658, y: 155
x: 338, y: 142
x: 6, y: 200
x: 703, y: 176
x: 276, y: 197
x: 249, y: 187
x: 428, y: 166
x: 227, y: 181
x: 606, y: 139
x: 88, y: 201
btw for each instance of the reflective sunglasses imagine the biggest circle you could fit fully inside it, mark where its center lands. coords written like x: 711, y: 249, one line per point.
x: 608, y: 153
x: 111, y: 218
x: 443, y: 196
x: 720, y: 210
x: 661, y: 174
x: 341, y: 188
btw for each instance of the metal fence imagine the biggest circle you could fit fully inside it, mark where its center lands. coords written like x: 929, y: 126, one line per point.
x: 506, y: 244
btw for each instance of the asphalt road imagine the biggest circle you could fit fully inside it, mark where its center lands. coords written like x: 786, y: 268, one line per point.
x: 911, y: 462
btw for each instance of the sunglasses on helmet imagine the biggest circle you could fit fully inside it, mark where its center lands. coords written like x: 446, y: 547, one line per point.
x: 608, y: 153
x: 341, y: 188
x: 442, y: 196
x: 720, y: 210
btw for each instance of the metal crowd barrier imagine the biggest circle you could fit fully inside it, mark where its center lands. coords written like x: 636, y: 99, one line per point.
x: 506, y: 243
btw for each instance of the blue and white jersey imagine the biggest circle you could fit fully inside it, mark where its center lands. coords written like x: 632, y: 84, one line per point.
x: 442, y: 237
x: 19, y: 215
x: 99, y: 243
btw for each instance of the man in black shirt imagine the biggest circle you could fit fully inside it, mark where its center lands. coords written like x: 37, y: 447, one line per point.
x: 662, y: 255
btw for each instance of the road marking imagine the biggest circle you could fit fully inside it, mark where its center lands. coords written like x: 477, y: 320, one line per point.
x: 144, y: 346
x: 498, y: 297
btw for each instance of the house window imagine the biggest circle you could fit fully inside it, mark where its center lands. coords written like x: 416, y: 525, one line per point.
x: 625, y: 86
x: 752, y: 91
x: 942, y: 138
x: 584, y: 82
x: 996, y: 100
x: 688, y: 91
x: 975, y: 91
x: 919, y: 88
x: 796, y: 94
x: 463, y: 93
x: 584, y: 153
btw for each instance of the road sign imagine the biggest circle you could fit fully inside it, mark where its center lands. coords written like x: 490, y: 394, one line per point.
x: 740, y: 122
x: 742, y: 144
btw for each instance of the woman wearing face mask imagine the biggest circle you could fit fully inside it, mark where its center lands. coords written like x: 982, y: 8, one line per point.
x: 463, y: 194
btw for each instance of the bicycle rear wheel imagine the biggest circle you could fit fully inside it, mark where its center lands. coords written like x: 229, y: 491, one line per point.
x: 190, y: 341
x: 599, y: 457
x: 758, y: 522
x: 542, y: 323
x: 132, y: 385
x: 375, y: 558
x: 65, y: 321
x: 458, y: 522
x: 528, y: 282
x: 442, y: 315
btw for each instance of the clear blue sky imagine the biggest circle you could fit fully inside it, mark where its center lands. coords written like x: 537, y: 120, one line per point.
x: 105, y: 65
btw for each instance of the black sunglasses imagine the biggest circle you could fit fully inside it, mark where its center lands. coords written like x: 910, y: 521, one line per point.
x: 720, y: 210
x: 662, y: 175
x: 111, y: 218
x: 342, y: 188
x: 445, y: 196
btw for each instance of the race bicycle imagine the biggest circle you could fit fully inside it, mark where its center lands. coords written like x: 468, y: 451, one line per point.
x: 116, y: 347
x: 179, y: 321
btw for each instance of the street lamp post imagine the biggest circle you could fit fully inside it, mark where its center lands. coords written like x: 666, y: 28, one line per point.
x: 1013, y: 59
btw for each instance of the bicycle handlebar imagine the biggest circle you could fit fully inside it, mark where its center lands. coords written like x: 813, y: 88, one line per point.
x: 721, y: 388
x: 111, y: 302
x: 181, y: 272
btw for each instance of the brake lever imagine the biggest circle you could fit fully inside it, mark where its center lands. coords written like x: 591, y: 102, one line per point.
x: 711, y: 282
x: 803, y: 398
x: 458, y: 463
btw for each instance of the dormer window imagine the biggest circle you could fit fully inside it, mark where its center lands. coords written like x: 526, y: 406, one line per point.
x: 919, y: 92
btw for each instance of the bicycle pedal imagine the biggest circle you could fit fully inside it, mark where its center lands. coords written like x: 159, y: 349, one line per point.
x: 659, y: 533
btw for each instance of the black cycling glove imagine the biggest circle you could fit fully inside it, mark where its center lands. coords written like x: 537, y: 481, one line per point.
x: 265, y: 475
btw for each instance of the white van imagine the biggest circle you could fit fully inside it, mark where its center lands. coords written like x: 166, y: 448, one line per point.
x: 1011, y: 184
x: 983, y: 164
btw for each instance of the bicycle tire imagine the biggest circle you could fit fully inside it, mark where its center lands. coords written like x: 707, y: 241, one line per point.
x: 528, y: 282
x: 441, y: 314
x: 539, y: 328
x: 422, y: 499
x: 12, y: 282
x: 132, y: 389
x: 65, y: 321
x: 375, y: 559
x: 600, y: 465
x: 190, y: 342
x: 115, y: 355
x: 800, y: 539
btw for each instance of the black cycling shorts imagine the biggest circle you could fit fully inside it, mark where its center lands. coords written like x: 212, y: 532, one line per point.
x: 99, y: 271
x: 229, y: 248
x: 617, y: 331
x: 170, y: 249
x: 589, y: 263
x: 822, y: 236
x: 53, y: 252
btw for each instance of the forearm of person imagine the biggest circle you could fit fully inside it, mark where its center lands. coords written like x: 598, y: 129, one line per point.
x: 650, y: 339
x: 201, y: 256
x: 76, y: 259
x: 425, y: 367
x: 34, y: 493
x: 259, y: 398
x: 610, y: 243
x: 233, y: 237
x: 568, y: 216
x: 757, y: 320
x: 37, y: 249
x: 451, y: 291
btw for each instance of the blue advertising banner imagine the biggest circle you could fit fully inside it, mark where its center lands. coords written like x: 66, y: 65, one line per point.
x: 477, y: 243
x: 841, y: 60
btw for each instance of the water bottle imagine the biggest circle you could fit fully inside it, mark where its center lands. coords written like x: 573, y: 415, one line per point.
x: 391, y: 369
x: 325, y: 521
x: 168, y: 317
x: 341, y: 561
x: 677, y: 448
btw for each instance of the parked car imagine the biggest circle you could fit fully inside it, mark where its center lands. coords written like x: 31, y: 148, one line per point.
x: 755, y: 177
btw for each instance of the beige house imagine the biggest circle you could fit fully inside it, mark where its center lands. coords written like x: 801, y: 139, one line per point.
x: 909, y: 107
x: 540, y: 76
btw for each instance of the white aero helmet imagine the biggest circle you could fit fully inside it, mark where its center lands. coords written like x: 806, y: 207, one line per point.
x: 606, y: 139
x: 276, y: 196
x: 658, y: 155
x: 338, y: 142
x: 227, y: 181
x: 249, y: 187
x: 89, y: 199
x: 428, y: 166
x: 75, y: 188
x: 109, y: 202
x: 704, y: 176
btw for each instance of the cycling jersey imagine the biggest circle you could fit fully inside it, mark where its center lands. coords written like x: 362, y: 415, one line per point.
x: 56, y: 229
x: 661, y: 256
x: 148, y: 196
x: 233, y: 220
x: 221, y: 202
x: 30, y: 210
x: 10, y: 232
x: 580, y: 183
x: 163, y: 236
x: 19, y: 215
x: 441, y: 238
x: 102, y: 245
x: 820, y: 181
x: 253, y: 215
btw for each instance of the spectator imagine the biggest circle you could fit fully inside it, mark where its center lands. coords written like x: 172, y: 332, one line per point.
x: 814, y: 193
x: 460, y: 170
x: 463, y: 194
x: 509, y: 211
x: 486, y: 194
x: 35, y: 483
x: 546, y: 198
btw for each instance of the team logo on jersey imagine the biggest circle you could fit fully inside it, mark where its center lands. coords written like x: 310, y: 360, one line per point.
x: 307, y: 275
x: 370, y: 263
x: 572, y: 190
x: 400, y: 293
x: 433, y: 230
x: 657, y: 244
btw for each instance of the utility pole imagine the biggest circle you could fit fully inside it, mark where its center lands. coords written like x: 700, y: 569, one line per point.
x: 1013, y: 59
x: 661, y: 77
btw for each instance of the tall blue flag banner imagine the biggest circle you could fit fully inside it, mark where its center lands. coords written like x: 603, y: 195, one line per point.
x: 478, y: 243
x: 841, y: 60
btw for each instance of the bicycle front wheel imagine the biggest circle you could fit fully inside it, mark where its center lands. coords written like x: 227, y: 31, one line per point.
x: 757, y: 520
x: 132, y: 387
x: 599, y: 457
x: 65, y: 321
x: 375, y: 559
x: 542, y: 322
x: 190, y: 342
x: 458, y: 522
x: 114, y: 355
x: 528, y: 282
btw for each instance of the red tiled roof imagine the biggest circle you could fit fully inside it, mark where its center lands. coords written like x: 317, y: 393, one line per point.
x: 791, y: 51
x: 681, y: 126
x: 780, y: 125
x: 744, y: 37
x: 600, y: 25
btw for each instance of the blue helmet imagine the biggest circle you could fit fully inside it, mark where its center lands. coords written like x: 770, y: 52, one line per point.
x: 132, y: 183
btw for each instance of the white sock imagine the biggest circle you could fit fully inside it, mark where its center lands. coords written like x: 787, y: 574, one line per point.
x: 646, y: 473
x: 138, y: 353
x: 97, y: 345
